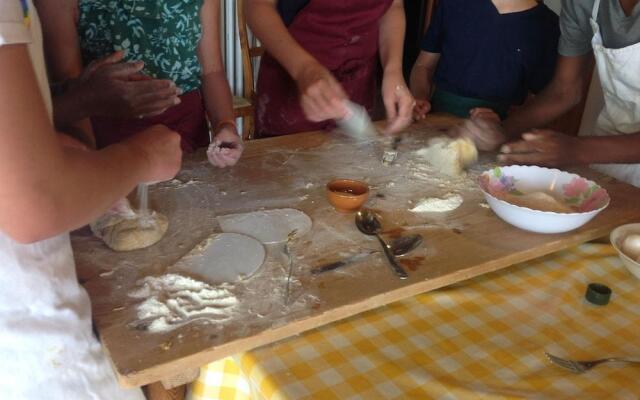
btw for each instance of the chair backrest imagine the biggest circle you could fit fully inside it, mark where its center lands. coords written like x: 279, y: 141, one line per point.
x: 248, y: 53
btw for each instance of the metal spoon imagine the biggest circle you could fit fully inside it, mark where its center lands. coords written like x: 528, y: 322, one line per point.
x: 368, y: 223
x: 399, y: 247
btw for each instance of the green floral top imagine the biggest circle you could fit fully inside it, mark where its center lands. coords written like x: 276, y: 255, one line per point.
x: 162, y: 33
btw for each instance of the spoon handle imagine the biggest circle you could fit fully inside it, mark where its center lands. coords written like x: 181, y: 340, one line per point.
x: 395, y: 267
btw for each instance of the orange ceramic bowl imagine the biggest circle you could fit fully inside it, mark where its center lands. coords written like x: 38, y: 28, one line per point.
x: 347, y: 195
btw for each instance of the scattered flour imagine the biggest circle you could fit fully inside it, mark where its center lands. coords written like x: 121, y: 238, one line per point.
x: 173, y: 300
x: 449, y: 202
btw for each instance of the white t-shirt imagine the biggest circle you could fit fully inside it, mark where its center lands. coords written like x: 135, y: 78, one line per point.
x: 47, y: 347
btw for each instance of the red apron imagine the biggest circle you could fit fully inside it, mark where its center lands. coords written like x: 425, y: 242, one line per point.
x: 187, y: 118
x: 343, y: 36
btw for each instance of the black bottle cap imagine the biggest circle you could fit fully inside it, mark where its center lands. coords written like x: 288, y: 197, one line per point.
x: 598, y: 294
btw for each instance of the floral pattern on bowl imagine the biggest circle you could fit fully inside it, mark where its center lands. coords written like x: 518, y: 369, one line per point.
x: 585, y: 196
x: 579, y: 193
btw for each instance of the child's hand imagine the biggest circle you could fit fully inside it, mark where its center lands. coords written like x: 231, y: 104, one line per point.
x: 485, y: 113
x: 544, y: 147
x: 485, y: 131
x: 398, y: 102
x: 321, y: 95
x: 226, y: 148
x: 421, y: 109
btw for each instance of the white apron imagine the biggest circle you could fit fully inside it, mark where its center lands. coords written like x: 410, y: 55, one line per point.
x: 620, y: 79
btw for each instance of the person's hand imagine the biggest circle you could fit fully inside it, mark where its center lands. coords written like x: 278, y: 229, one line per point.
x: 160, y: 147
x: 114, y: 88
x: 483, y: 127
x: 544, y: 147
x: 398, y: 102
x: 321, y: 95
x: 485, y: 113
x: 226, y: 148
x: 421, y: 109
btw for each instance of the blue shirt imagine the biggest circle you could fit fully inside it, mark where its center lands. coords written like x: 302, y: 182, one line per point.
x: 492, y: 56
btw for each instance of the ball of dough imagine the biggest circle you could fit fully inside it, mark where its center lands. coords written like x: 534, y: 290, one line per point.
x: 450, y: 156
x: 631, y: 246
x: 131, y: 232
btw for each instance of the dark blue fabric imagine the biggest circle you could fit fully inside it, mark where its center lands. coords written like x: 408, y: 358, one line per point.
x: 288, y: 9
x: 486, y: 55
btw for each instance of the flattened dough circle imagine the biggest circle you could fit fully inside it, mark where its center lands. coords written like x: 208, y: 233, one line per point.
x: 223, y: 257
x: 268, y: 226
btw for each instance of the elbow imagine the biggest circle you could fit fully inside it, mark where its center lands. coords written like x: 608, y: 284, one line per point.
x: 28, y: 230
x: 570, y: 95
x: 574, y: 97
x: 31, y: 222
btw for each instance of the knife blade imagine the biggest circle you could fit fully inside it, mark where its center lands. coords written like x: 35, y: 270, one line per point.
x: 338, y: 264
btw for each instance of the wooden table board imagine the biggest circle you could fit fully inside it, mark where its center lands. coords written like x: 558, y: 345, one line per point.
x: 291, y: 172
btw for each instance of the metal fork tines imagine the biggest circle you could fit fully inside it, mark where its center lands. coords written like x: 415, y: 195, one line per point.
x: 579, y: 367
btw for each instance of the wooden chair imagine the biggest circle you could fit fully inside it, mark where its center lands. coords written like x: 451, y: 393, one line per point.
x: 244, y: 106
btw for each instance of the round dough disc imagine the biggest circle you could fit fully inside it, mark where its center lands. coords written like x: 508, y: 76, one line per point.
x: 268, y: 226
x: 132, y: 233
x: 223, y: 257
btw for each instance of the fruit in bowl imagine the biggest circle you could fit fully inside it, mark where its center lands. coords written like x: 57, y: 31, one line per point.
x: 626, y: 240
x: 542, y: 200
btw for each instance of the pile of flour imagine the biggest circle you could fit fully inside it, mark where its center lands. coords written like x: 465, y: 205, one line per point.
x: 173, y: 300
x: 449, y: 202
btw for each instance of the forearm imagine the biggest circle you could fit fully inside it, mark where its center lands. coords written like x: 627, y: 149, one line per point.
x: 48, y: 189
x: 392, y: 30
x: 561, y: 94
x: 421, y: 82
x: 541, y: 110
x: 619, y: 149
x: 217, y: 97
x: 266, y: 24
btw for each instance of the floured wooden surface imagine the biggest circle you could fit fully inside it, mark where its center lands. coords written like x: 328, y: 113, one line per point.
x: 291, y: 172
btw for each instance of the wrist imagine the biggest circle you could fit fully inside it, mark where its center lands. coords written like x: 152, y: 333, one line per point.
x: 226, y: 123
x: 298, y: 69
x: 393, y: 70
x: 585, y: 149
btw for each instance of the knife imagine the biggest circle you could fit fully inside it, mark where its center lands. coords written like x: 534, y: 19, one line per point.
x: 341, y: 263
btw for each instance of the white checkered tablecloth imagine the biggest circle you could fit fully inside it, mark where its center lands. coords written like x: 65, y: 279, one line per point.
x: 483, y: 338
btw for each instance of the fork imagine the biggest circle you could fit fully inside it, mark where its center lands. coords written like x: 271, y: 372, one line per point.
x: 580, y: 367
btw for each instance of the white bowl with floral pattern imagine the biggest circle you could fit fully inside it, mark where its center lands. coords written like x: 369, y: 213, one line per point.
x: 584, y: 197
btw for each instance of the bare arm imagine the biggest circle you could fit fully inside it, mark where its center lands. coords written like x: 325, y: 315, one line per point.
x: 215, y: 88
x: 64, y: 62
x: 106, y: 87
x: 216, y: 91
x: 321, y: 96
x: 392, y: 29
x: 421, y: 81
x: 397, y: 98
x: 47, y: 188
x: 563, y: 92
x: 266, y: 24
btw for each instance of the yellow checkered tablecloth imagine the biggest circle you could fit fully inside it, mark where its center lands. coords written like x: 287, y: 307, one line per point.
x: 483, y: 338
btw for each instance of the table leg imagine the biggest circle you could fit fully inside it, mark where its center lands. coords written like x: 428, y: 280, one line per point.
x: 174, y: 388
x: 156, y: 391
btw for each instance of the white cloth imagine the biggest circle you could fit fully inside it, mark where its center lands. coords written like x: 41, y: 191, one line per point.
x: 47, y: 347
x: 620, y: 80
